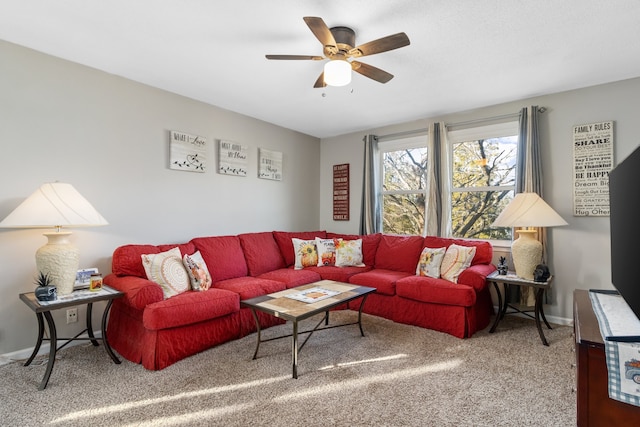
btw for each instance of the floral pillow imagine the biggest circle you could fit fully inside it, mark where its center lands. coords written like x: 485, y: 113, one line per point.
x: 305, y: 252
x: 348, y: 253
x: 197, y: 271
x: 326, y: 252
x: 430, y: 261
x: 455, y: 261
x: 167, y: 270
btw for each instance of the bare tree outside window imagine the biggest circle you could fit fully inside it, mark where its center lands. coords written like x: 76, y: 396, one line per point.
x: 483, y: 183
x: 404, y: 190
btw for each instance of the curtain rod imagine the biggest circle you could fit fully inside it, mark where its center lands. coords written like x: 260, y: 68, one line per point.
x: 465, y: 123
x: 403, y: 134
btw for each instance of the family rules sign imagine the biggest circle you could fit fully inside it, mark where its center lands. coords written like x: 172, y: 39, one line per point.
x: 592, y: 162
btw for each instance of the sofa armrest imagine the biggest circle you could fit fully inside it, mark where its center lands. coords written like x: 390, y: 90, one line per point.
x: 138, y: 292
x: 476, y: 276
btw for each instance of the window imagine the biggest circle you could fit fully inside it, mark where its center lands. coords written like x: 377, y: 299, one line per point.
x: 483, y: 173
x: 404, y: 182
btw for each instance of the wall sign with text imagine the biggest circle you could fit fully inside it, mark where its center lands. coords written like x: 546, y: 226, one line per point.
x: 592, y: 162
x: 188, y: 152
x: 341, y: 192
x: 232, y: 158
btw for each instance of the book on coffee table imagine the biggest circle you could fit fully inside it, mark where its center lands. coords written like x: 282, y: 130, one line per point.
x: 312, y: 294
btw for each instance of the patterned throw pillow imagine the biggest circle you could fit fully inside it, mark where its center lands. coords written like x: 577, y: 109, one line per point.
x: 305, y: 252
x: 455, y: 261
x: 167, y: 270
x: 326, y: 252
x: 348, y: 253
x: 198, y: 271
x: 429, y: 262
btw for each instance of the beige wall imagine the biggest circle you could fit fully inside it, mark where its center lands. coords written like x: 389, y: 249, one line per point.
x: 580, y: 252
x: 109, y: 137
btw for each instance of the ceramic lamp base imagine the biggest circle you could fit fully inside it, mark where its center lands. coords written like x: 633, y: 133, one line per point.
x: 526, y: 251
x: 60, y: 260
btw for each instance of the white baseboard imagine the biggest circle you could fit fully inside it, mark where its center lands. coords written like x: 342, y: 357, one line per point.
x: 552, y: 319
x: 23, y: 355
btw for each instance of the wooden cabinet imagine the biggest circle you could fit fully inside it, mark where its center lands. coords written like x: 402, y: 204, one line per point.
x: 595, y: 408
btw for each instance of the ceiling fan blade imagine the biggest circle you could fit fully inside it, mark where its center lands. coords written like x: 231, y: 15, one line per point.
x: 296, y: 57
x: 321, y: 31
x: 384, y: 44
x: 370, y: 71
x: 320, y: 82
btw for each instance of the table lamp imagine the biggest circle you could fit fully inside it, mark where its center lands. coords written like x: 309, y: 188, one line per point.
x: 56, y: 205
x: 527, y: 210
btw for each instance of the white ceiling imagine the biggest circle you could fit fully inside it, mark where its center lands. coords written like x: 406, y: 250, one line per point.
x: 464, y: 54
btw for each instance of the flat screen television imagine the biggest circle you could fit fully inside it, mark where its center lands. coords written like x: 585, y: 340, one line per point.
x: 624, y: 208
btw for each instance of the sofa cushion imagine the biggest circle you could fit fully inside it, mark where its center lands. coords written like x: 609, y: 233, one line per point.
x: 250, y: 287
x: 261, y: 252
x: 484, y: 250
x: 383, y: 280
x: 438, y: 291
x: 223, y: 256
x: 399, y: 253
x: 339, y: 274
x: 349, y: 253
x: 167, y: 270
x: 283, y: 238
x: 369, y: 244
x: 455, y: 261
x: 127, y: 261
x: 291, y: 277
x: 190, y: 307
x: 430, y: 261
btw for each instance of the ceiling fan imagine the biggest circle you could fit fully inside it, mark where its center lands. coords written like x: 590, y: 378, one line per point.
x: 338, y: 46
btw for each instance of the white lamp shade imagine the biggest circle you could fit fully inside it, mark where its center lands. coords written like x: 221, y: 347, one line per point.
x: 528, y: 210
x: 54, y: 205
x: 337, y: 72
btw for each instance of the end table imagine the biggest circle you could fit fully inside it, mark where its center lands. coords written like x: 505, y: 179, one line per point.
x: 43, y: 309
x: 510, y: 279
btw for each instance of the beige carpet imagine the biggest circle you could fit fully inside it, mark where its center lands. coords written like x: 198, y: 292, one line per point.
x: 397, y: 375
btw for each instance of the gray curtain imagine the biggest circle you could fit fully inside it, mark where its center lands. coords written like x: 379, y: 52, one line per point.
x: 371, y: 213
x: 529, y: 175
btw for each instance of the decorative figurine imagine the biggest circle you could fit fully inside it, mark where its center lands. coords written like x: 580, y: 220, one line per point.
x: 541, y: 273
x: 502, y: 266
x: 45, y: 290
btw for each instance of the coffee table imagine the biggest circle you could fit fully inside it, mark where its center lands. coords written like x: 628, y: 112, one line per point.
x: 282, y: 305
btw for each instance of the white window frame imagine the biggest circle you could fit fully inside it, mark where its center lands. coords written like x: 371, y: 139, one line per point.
x: 473, y: 134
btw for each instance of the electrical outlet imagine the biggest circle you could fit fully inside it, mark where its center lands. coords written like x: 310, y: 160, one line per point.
x: 72, y: 315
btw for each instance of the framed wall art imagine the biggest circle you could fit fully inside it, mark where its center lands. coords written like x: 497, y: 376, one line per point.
x: 341, y: 192
x: 270, y: 164
x: 592, y: 162
x: 232, y: 158
x: 188, y: 152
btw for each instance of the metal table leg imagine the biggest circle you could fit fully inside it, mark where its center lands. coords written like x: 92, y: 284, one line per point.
x: 103, y: 330
x: 53, y: 346
x: 294, y: 349
x: 539, y: 294
x: 499, y: 314
x: 255, y: 317
x: 39, y: 343
x: 90, y: 327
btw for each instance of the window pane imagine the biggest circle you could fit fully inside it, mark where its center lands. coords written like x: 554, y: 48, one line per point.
x: 485, y: 162
x: 405, y: 169
x: 473, y: 212
x: 403, y: 213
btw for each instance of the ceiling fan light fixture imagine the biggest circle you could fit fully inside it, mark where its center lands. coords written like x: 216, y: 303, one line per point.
x: 337, y: 72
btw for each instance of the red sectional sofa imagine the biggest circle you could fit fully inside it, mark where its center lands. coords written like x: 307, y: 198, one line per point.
x: 146, y: 328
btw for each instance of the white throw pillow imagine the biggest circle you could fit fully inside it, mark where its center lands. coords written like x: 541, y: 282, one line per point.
x: 455, y: 261
x: 167, y: 270
x: 349, y: 253
x: 430, y: 261
x: 305, y: 252
x: 326, y: 252
x: 198, y: 271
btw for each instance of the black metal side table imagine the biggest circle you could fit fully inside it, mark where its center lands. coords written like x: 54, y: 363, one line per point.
x: 510, y: 279
x: 43, y: 309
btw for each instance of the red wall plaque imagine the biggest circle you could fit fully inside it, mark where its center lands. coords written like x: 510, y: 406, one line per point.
x: 341, y: 192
